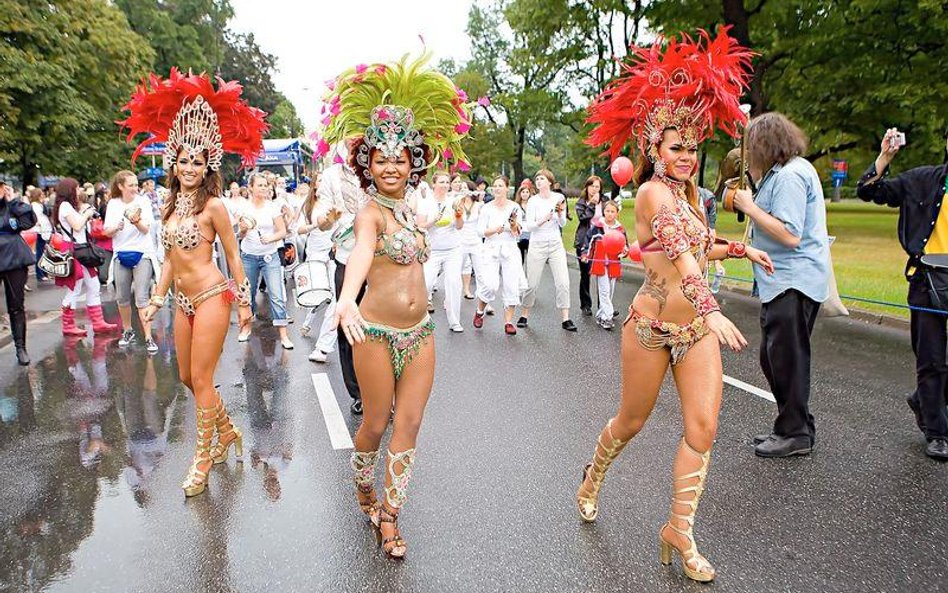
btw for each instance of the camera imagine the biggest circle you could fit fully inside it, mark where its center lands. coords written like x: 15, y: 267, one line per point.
x: 897, y: 140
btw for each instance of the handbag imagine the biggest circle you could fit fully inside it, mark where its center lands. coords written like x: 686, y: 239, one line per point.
x: 57, y: 263
x: 935, y: 270
x: 88, y: 254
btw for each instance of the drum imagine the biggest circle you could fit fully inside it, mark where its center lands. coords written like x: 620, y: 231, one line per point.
x: 312, y: 283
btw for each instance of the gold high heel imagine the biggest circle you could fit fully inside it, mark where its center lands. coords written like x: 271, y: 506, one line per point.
x: 363, y: 464
x: 196, y: 482
x: 702, y: 571
x: 395, y: 497
x: 596, y: 472
x: 227, y: 435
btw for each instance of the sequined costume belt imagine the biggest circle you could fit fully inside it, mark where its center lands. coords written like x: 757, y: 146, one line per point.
x: 403, y: 343
x: 189, y: 305
x: 654, y: 334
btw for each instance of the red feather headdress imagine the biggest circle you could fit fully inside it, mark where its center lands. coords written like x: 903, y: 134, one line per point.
x: 186, y: 111
x: 692, y: 86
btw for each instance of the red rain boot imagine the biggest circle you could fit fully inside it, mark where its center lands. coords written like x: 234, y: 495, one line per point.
x: 69, y: 323
x: 99, y: 324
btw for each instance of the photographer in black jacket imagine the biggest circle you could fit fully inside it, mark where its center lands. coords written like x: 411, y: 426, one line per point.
x: 923, y: 230
x: 16, y: 257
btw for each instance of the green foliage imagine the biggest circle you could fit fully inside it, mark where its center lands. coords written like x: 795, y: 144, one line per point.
x: 65, y: 69
x: 284, y: 121
x: 245, y: 61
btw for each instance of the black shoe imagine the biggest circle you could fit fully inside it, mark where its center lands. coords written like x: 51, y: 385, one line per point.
x: 356, y: 407
x: 937, y: 449
x: 22, y: 357
x: 760, y: 438
x: 587, y: 311
x: 522, y: 322
x: 569, y: 326
x: 778, y: 446
x: 917, y: 410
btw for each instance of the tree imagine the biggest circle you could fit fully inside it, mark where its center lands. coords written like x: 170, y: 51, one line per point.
x: 284, y: 121
x: 245, y: 61
x: 65, y: 68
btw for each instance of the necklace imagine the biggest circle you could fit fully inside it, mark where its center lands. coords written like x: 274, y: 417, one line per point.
x: 677, y: 187
x: 184, y: 205
x: 400, y: 210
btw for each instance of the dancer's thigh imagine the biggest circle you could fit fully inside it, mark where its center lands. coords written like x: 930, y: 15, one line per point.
x: 211, y: 323
x: 643, y: 371
x: 699, y: 381
x: 373, y: 368
x: 411, y: 396
x: 182, y: 346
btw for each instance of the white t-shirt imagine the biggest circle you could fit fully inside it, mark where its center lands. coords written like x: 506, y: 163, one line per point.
x: 444, y: 235
x: 43, y: 226
x: 493, y: 216
x: 469, y: 234
x: 264, y: 217
x: 318, y: 243
x: 66, y: 210
x: 537, y: 209
x: 130, y: 238
x: 235, y: 207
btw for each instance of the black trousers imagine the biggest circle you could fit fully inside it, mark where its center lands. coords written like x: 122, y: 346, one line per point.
x: 14, y: 283
x: 787, y: 323
x: 929, y: 342
x: 345, y: 349
x: 585, y: 300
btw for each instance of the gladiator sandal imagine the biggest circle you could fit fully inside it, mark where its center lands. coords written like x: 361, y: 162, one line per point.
x: 587, y: 497
x: 395, y: 497
x: 695, y: 566
x: 363, y: 466
x: 196, y: 482
x: 227, y: 435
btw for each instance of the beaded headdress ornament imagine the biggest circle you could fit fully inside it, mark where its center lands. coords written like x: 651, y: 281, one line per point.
x: 691, y: 86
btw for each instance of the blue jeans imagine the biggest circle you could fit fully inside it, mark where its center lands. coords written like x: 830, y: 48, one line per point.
x: 272, y: 272
x: 40, y: 246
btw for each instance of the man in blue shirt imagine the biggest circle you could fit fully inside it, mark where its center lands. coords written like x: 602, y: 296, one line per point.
x: 788, y: 218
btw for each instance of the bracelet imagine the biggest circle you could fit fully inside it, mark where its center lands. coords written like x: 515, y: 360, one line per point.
x: 157, y: 301
x: 696, y: 291
x: 736, y: 249
x: 242, y: 293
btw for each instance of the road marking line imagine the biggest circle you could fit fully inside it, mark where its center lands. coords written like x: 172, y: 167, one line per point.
x: 750, y: 388
x: 335, y: 423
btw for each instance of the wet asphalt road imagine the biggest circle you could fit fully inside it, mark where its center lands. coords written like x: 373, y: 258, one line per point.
x: 94, y: 443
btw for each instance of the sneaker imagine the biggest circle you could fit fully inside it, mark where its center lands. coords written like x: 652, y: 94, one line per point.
x: 478, y: 320
x: 243, y: 337
x: 510, y: 330
x: 318, y: 355
x: 128, y: 338
x: 430, y: 307
x: 356, y: 407
x: 522, y: 322
x: 607, y: 324
x: 488, y: 310
x: 469, y: 297
x: 569, y: 326
x: 151, y: 346
x: 587, y: 311
x: 458, y: 329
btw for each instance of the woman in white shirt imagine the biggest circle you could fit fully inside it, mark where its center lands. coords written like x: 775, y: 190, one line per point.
x: 261, y: 230
x: 128, y: 220
x: 318, y: 248
x: 444, y: 219
x: 71, y: 218
x: 545, y: 219
x: 44, y: 229
x: 500, y: 264
x: 470, y: 241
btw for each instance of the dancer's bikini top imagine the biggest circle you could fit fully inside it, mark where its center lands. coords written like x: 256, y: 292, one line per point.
x: 186, y: 232
x: 677, y: 230
x: 402, y: 245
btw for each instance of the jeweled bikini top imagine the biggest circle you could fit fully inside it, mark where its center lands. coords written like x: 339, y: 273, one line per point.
x: 679, y: 229
x: 185, y: 233
x: 402, y: 245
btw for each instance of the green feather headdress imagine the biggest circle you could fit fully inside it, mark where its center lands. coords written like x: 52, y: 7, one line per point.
x: 396, y: 106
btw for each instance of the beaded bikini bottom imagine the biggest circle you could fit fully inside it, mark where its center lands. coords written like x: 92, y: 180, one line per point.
x: 654, y: 334
x: 402, y: 344
x: 189, y: 305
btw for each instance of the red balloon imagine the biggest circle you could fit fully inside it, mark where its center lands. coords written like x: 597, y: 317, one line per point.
x: 635, y: 253
x: 622, y: 170
x: 30, y: 238
x: 613, y: 242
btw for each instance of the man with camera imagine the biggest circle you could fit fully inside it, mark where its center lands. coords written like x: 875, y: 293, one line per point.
x: 923, y: 232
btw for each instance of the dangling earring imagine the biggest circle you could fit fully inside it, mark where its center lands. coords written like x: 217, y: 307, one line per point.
x: 372, y: 190
x: 660, y: 168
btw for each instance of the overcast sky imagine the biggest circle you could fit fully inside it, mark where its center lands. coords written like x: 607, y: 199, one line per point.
x: 314, y: 41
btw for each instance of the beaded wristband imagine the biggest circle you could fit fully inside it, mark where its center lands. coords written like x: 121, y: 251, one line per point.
x: 242, y: 293
x: 736, y: 249
x: 696, y: 291
x: 157, y: 301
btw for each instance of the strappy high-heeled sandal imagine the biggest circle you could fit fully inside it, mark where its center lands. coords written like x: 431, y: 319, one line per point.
x: 196, y: 481
x: 395, y: 546
x: 227, y: 435
x: 363, y: 466
x: 695, y: 566
x: 603, y: 457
